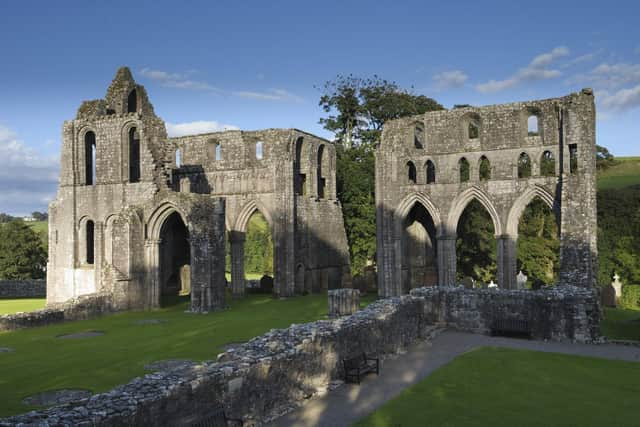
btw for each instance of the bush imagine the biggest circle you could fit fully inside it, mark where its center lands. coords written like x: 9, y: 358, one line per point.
x: 630, y: 299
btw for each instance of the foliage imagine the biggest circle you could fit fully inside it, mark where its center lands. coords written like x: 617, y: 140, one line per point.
x: 99, y: 364
x: 40, y: 216
x: 21, y: 253
x: 630, y: 298
x: 547, y: 165
x: 619, y: 234
x: 464, y: 170
x: 491, y: 386
x: 524, y: 166
x: 485, y: 169
x: 538, y: 244
x: 357, y: 109
x: 604, y: 159
x: 626, y: 172
x: 258, y: 249
x: 476, y: 244
x: 4, y: 218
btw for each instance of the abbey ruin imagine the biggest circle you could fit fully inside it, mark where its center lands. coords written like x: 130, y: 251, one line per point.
x: 139, y: 215
x: 430, y: 167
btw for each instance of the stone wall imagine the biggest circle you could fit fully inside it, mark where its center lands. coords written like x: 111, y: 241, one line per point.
x: 266, y: 376
x: 558, y: 314
x: 23, y: 288
x: 81, y: 308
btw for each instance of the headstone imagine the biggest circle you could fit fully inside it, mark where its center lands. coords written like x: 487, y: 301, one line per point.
x: 468, y: 282
x: 608, y: 295
x: 266, y: 284
x: 343, y: 302
x: 185, y: 279
x: 521, y: 280
x: 617, y: 286
x: 492, y: 285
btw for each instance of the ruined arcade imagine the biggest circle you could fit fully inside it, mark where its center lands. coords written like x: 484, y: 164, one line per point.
x: 139, y: 215
x: 430, y: 167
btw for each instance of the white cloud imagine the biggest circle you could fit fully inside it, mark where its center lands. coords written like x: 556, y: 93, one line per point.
x: 196, y: 128
x: 587, y: 57
x: 536, y: 70
x: 450, y: 79
x: 28, y: 180
x: 270, y: 95
x: 176, y: 80
x: 621, y: 100
x: 610, y: 76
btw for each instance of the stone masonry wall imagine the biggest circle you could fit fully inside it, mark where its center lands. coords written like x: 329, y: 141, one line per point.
x: 23, y: 288
x: 266, y: 376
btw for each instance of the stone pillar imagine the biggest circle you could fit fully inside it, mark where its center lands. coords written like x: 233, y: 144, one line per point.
x: 152, y: 264
x: 506, y: 261
x: 446, y: 260
x: 236, y: 240
x: 343, y: 302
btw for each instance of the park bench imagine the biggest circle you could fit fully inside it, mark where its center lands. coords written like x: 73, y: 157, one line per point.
x: 217, y: 418
x: 517, y: 328
x: 360, y: 365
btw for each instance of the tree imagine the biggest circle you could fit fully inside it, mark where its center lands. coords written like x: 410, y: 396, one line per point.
x: 604, y: 159
x: 40, y: 216
x: 21, y: 253
x: 357, y: 109
x: 538, y: 244
x: 6, y: 218
x: 476, y: 244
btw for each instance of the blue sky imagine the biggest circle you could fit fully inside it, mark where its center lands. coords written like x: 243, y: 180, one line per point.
x: 252, y: 65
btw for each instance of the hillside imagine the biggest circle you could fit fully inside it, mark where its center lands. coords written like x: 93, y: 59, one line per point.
x: 623, y: 174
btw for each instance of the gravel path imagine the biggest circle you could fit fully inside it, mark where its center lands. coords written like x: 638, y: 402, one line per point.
x: 349, y: 403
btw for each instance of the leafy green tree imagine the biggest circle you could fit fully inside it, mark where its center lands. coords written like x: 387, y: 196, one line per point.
x: 357, y: 109
x: 538, y: 244
x: 604, y: 159
x: 21, y: 253
x: 476, y: 244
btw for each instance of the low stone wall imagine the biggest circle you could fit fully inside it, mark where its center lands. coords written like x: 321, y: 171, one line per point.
x: 265, y: 377
x: 563, y: 313
x: 23, y: 288
x: 81, y: 308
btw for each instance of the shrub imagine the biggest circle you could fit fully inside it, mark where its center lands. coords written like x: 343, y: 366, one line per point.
x: 630, y: 298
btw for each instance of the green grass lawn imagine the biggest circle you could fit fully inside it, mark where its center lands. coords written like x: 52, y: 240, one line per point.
x: 43, y: 362
x: 625, y: 173
x: 503, y: 387
x: 10, y: 306
x: 621, y: 324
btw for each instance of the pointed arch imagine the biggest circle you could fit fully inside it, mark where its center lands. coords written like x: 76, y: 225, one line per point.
x: 412, y: 174
x: 430, y: 169
x: 409, y: 202
x: 248, y: 210
x: 460, y: 203
x: 521, y: 203
x: 158, y: 217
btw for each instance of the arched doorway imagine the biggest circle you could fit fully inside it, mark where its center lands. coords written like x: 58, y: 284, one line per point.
x: 419, y: 249
x: 175, y: 259
x: 476, y: 244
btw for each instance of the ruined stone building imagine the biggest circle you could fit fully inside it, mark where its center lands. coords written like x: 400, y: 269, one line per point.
x: 430, y: 167
x: 138, y: 215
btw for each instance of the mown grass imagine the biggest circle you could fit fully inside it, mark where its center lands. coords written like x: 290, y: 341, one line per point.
x: 11, y: 306
x: 621, y: 324
x: 626, y: 172
x: 504, y: 387
x: 43, y: 362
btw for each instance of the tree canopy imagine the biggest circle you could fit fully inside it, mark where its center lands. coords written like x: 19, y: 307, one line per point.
x: 21, y: 253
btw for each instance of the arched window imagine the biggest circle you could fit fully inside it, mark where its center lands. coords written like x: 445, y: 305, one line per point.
x: 484, y: 169
x: 431, y: 172
x: 212, y: 149
x: 178, y: 158
x: 532, y: 125
x: 463, y: 166
x: 134, y: 155
x: 132, y: 102
x: 411, y: 172
x: 321, y: 180
x: 524, y: 166
x: 259, y: 150
x: 90, y: 157
x: 473, y: 130
x: 418, y: 135
x: 89, y: 232
x: 547, y: 164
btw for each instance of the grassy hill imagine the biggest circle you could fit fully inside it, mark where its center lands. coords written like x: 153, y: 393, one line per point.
x: 623, y: 174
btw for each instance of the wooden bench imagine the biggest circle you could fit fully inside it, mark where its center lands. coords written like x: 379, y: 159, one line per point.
x: 518, y: 328
x: 217, y: 418
x: 360, y: 365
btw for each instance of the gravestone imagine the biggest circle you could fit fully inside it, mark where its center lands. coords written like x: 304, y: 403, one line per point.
x: 468, y: 282
x: 185, y: 279
x: 521, y: 280
x: 343, y: 302
x: 492, y: 285
x: 617, y: 286
x: 608, y: 296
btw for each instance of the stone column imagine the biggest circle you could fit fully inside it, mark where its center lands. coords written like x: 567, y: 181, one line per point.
x: 446, y: 260
x: 343, y: 302
x: 236, y: 240
x: 506, y: 261
x: 152, y: 264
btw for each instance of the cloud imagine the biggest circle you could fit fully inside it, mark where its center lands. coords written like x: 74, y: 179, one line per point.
x: 536, y: 70
x: 587, y: 57
x: 450, y: 79
x: 270, y: 95
x: 28, y: 180
x: 176, y: 80
x: 608, y: 76
x: 196, y: 128
x: 637, y: 50
x: 621, y: 100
